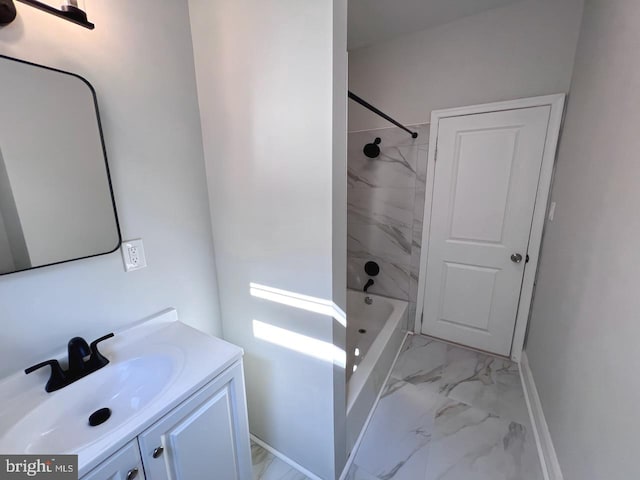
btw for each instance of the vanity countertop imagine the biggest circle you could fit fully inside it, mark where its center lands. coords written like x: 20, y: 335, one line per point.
x: 154, y: 366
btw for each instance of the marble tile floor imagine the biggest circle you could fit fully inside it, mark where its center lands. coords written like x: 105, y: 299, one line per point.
x: 266, y: 466
x: 448, y: 413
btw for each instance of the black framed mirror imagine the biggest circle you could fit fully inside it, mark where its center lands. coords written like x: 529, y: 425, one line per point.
x: 56, y: 197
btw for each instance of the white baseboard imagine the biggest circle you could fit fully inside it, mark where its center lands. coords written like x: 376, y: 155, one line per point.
x: 284, y: 458
x: 546, y: 451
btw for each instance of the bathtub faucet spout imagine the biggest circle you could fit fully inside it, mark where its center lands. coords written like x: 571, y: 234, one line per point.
x: 369, y: 283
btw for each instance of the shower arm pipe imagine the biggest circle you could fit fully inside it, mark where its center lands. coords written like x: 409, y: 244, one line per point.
x: 368, y: 106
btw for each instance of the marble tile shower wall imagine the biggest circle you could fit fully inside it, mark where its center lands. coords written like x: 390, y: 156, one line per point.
x: 386, y: 201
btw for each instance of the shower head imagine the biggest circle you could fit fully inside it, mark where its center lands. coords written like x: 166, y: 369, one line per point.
x: 372, y: 150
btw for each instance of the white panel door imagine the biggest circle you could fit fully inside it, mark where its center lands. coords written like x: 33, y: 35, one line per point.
x: 486, y: 178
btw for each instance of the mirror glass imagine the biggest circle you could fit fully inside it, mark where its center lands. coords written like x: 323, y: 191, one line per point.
x: 56, y: 201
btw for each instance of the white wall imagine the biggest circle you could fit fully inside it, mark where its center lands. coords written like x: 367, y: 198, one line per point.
x: 521, y: 50
x: 271, y: 114
x: 339, y: 222
x: 139, y: 59
x: 584, y: 331
x: 6, y: 255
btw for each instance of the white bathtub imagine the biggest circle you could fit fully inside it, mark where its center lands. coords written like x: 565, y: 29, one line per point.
x: 375, y: 333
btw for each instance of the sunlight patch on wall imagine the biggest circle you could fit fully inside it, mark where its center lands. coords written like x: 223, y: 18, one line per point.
x: 300, y: 343
x: 298, y: 300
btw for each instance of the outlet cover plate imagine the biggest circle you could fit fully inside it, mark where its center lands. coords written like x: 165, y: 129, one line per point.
x: 133, y: 255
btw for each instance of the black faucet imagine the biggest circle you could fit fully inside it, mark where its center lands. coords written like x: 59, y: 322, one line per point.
x: 83, y: 360
x: 369, y: 283
x: 372, y: 269
x: 77, y: 350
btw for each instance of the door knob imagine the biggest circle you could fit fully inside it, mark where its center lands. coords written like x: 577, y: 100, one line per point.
x: 516, y: 258
x: 157, y: 452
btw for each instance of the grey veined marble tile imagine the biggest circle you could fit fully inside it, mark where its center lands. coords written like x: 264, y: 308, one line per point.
x: 358, y: 473
x: 471, y: 444
x: 385, y: 209
x: 421, y: 163
x: 419, y: 205
x: 421, y: 362
x: 393, y: 243
x: 482, y: 381
x: 401, y: 158
x: 386, y: 206
x: 392, y: 281
x: 267, y: 466
x: 422, y: 429
x: 392, y: 136
x: 396, y: 443
x: 394, y: 167
x: 414, y: 272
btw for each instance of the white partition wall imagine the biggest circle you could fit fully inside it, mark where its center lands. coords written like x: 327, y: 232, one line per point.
x: 271, y: 80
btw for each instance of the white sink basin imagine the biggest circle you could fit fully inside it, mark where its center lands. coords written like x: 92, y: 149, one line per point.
x: 61, y: 423
x: 153, y: 368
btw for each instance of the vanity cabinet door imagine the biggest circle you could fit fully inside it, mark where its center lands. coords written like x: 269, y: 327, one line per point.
x: 206, y: 437
x: 125, y: 464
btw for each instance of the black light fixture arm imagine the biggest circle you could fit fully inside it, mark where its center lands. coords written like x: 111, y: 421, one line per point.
x: 68, y: 12
x: 375, y: 110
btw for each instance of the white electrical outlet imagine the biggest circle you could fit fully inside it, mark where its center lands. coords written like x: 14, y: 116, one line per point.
x: 133, y: 255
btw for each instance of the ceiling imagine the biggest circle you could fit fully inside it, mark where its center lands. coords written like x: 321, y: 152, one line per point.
x: 373, y: 21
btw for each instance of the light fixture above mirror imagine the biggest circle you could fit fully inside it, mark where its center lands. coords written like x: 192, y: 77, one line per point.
x: 71, y: 10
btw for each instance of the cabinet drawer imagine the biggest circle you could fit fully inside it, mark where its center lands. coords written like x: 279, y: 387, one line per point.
x: 125, y: 464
